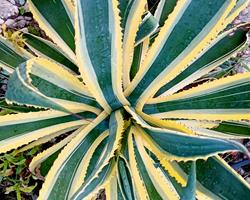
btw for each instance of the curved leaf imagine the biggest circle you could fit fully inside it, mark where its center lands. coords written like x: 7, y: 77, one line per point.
x: 184, y: 35
x: 100, y: 51
x: 59, y: 180
x: 189, y: 190
x: 221, y: 49
x: 9, y: 57
x: 43, y: 83
x: 223, y: 99
x: 234, y: 128
x: 220, y: 179
x: 135, y: 10
x: 19, y: 129
x: 125, y: 180
x: 49, y: 50
x: 54, y: 19
x: 164, y: 9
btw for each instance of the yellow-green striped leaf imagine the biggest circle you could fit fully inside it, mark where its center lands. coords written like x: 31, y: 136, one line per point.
x: 99, y: 51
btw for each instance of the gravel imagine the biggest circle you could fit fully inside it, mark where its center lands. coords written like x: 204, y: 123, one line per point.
x: 14, y: 14
x: 8, y: 9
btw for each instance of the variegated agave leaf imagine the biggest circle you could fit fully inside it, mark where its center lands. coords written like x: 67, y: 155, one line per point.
x: 112, y: 79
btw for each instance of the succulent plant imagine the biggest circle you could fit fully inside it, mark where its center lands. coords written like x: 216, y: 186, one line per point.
x: 115, y: 81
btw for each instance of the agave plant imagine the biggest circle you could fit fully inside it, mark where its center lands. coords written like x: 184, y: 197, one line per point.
x: 115, y: 80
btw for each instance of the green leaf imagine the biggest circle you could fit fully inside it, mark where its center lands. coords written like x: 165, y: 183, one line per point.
x: 16, y: 129
x: 178, y: 187
x: 177, y: 144
x: 65, y: 172
x: 103, y: 48
x: 97, y: 180
x: 100, y: 178
x: 133, y: 27
x: 56, y: 16
x: 47, y: 164
x: 220, y: 179
x: 148, y: 26
x: 189, y: 190
x: 15, y: 160
x: 20, y: 168
x: 125, y: 179
x: 19, y: 92
x: 137, y: 60
x: 55, y: 91
x: 194, y: 21
x: 10, y: 58
x: 152, y: 191
x: 161, y: 183
x: 28, y: 189
x: 15, y: 108
x: 10, y: 189
x: 233, y: 128
x: 164, y: 8
x: 46, y: 48
x: 223, y: 99
x: 221, y: 49
x: 35, y: 82
x: 22, y: 10
x: 33, y: 151
x: 4, y: 112
x: 125, y: 7
x: 116, y: 125
x: 183, y: 146
x: 95, y: 158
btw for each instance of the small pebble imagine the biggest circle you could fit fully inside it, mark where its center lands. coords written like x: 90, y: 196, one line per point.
x: 20, y: 18
x: 27, y: 18
x: 248, y: 144
x: 9, y: 22
x: 18, y: 24
x: 21, y: 2
x: 237, y: 21
x: 24, y: 30
x: 247, y: 51
x: 241, y: 171
x: 12, y: 25
x: 7, y: 9
x: 4, y: 87
x: 12, y: 1
x: 244, y: 12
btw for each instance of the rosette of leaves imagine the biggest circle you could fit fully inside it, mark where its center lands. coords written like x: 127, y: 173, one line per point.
x: 113, y: 80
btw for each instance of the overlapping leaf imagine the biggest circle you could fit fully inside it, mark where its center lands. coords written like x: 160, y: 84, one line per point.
x: 110, y: 55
